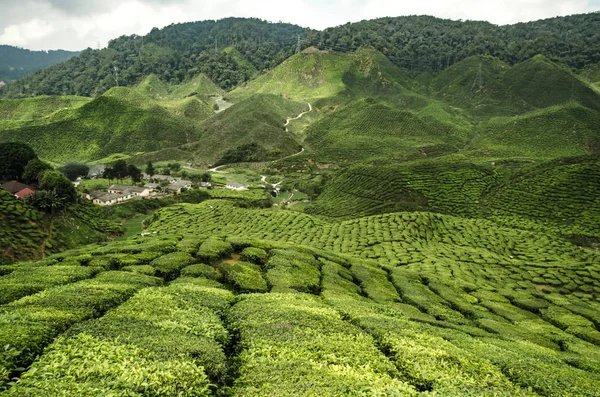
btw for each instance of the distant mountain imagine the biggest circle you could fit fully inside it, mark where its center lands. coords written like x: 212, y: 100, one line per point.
x: 230, y: 51
x: 16, y: 63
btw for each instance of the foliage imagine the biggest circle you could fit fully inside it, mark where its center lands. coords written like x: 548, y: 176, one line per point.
x: 74, y: 170
x: 213, y: 249
x: 14, y: 157
x: 54, y: 181
x: 34, y: 169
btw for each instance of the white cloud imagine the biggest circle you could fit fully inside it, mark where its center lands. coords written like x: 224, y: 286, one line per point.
x: 77, y: 24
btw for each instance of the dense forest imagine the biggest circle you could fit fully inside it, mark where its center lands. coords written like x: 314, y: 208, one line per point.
x: 230, y: 51
x: 16, y: 63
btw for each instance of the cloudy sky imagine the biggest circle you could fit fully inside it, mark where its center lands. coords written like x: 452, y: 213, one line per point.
x: 78, y: 24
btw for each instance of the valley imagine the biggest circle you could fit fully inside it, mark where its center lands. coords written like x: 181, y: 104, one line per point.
x: 400, y: 229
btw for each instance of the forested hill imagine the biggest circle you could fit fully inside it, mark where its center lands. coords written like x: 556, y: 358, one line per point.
x: 425, y: 43
x: 231, y: 51
x: 18, y: 62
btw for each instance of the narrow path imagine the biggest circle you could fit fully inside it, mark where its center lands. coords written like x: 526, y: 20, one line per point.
x: 287, y: 121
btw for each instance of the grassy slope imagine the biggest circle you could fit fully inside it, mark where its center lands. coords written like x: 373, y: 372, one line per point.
x: 328, y: 76
x: 557, y: 131
x: 542, y: 83
x: 476, y: 84
x: 25, y: 230
x: 259, y: 119
x: 120, y: 121
x: 370, y: 131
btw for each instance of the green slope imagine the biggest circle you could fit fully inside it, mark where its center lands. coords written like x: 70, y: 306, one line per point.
x: 558, y: 195
x: 316, y: 75
x: 37, y: 107
x: 371, y: 131
x: 567, y: 130
x: 477, y: 84
x: 259, y: 119
x: 199, y: 85
x: 542, y: 83
x: 121, y: 121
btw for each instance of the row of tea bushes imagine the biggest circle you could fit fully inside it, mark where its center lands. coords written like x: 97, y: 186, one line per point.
x: 27, y: 280
x: 29, y: 324
x: 293, y: 344
x: 163, y: 341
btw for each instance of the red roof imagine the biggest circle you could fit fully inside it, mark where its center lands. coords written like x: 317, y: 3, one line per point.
x: 24, y: 192
x: 13, y: 186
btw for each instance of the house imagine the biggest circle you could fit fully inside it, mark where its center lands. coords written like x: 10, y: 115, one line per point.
x: 162, y: 178
x: 18, y: 189
x: 205, y: 185
x: 108, y: 199
x: 236, y: 186
x: 24, y: 193
x: 179, y: 185
x: 130, y: 190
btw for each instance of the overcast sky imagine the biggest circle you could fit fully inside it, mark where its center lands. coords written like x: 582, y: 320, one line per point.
x: 78, y: 24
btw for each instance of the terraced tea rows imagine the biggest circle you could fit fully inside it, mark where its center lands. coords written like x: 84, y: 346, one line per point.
x: 561, y: 195
x: 257, y: 317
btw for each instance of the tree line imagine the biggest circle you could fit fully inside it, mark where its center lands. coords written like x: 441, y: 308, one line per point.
x: 416, y: 43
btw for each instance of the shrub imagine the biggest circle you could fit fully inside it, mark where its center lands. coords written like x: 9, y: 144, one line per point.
x: 201, y: 270
x: 213, y: 249
x: 254, y: 255
x: 168, y: 266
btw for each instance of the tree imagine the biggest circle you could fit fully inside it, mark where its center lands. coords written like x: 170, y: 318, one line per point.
x: 34, y: 169
x: 206, y: 177
x: 120, y: 169
x: 74, y: 170
x: 49, y: 201
x: 14, y: 157
x: 150, y: 169
x: 134, y: 172
x: 55, y: 181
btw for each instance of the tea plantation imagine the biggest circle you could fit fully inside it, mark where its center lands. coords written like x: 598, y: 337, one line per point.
x: 404, y: 304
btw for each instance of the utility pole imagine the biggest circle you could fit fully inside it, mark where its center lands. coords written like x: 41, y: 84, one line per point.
x: 298, y: 46
x: 116, y: 69
x: 478, y: 79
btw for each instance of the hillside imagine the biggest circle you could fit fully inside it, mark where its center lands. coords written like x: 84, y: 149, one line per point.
x: 320, y: 76
x: 120, y: 121
x: 449, y: 306
x: 27, y: 233
x: 371, y: 131
x: 148, y: 117
x: 415, y: 43
x: 558, y: 195
x: 16, y: 63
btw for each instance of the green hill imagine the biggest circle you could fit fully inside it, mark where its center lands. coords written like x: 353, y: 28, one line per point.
x: 26, y: 232
x: 153, y: 87
x: 542, y: 83
x: 121, y: 121
x: 371, y: 131
x: 477, y: 84
x: 317, y: 75
x: 553, y: 132
x: 259, y: 119
x: 558, y: 195
x: 38, y: 107
x: 200, y: 86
